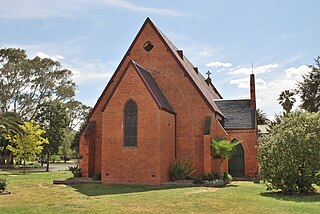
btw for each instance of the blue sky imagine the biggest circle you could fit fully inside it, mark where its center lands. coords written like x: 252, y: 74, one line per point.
x: 91, y: 37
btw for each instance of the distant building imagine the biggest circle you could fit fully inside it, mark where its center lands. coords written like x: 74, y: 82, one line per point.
x: 158, y: 108
x: 262, y: 130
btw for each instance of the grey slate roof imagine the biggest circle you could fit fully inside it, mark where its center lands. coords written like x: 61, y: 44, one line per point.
x: 153, y: 88
x: 238, y: 114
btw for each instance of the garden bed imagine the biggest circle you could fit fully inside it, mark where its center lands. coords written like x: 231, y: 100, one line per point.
x: 81, y: 180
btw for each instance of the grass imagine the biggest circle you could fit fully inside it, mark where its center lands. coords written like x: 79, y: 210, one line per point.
x: 35, y: 193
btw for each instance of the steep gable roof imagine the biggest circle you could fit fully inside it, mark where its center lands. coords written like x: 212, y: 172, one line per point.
x: 238, y: 114
x: 208, y: 92
x: 150, y: 85
x: 153, y: 88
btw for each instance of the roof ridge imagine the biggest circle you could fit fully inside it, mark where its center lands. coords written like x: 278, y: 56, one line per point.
x: 153, y: 88
x: 208, y: 92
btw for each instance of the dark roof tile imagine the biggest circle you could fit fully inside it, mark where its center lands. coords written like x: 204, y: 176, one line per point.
x: 238, y: 114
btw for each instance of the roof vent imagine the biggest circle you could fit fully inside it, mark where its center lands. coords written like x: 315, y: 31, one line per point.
x: 180, y: 52
x: 196, y: 69
x: 148, y: 46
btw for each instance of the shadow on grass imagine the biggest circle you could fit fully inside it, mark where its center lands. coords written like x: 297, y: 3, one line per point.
x: 116, y: 189
x: 231, y: 185
x: 311, y: 197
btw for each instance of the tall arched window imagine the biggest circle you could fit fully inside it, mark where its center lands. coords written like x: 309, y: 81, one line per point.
x: 130, y: 124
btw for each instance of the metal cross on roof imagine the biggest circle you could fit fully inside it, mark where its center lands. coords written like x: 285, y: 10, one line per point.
x: 208, y: 73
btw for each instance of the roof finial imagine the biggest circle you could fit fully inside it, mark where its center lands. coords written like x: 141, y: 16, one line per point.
x: 208, y: 73
x: 252, y: 67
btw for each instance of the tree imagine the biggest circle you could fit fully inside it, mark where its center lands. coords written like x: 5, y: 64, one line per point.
x: 286, y: 100
x: 289, y: 155
x: 77, y: 113
x: 9, y: 125
x: 29, y: 144
x: 65, y: 150
x: 54, y: 120
x: 309, y: 88
x: 262, y: 117
x: 223, y: 149
x: 27, y: 83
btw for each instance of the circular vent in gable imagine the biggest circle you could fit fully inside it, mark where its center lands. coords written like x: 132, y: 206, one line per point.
x: 148, y: 46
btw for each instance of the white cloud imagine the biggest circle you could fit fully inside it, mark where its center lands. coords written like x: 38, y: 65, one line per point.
x: 89, y: 71
x: 245, y: 83
x: 297, y: 72
x: 218, y: 64
x: 256, y: 70
x: 54, y: 58
x: 138, y: 8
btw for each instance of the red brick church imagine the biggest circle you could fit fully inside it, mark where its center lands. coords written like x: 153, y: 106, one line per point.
x: 158, y: 108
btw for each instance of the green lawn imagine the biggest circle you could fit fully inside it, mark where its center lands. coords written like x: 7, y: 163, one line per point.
x: 35, y: 193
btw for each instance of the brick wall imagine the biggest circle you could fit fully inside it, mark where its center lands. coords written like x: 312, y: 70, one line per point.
x: 139, y: 164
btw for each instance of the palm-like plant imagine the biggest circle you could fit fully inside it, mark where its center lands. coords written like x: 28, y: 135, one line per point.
x: 10, y: 123
x: 262, y: 117
x: 286, y: 100
x: 223, y: 149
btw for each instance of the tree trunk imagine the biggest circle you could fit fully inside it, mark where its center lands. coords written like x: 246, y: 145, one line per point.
x: 24, y: 166
x: 221, y: 165
x: 48, y: 161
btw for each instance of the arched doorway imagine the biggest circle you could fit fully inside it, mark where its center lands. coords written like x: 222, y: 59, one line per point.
x: 236, y: 162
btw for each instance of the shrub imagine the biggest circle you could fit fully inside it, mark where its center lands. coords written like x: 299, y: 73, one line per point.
x: 227, y: 178
x: 197, y: 180
x: 289, y: 155
x: 76, y: 171
x: 218, y: 183
x: 180, y: 170
x: 97, y: 176
x: 54, y: 158
x: 3, y: 183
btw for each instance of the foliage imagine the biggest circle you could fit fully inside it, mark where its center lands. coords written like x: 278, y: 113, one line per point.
x: 210, y: 179
x: 54, y: 119
x: 77, y: 113
x: 309, y: 88
x: 197, y: 180
x: 262, y: 118
x: 65, y: 150
x: 3, y: 183
x: 28, y: 83
x: 180, y: 170
x: 29, y: 144
x: 289, y: 156
x: 10, y: 123
x: 76, y: 171
x: 54, y: 158
x: 97, y: 176
x: 227, y: 178
x: 223, y: 148
x: 286, y: 100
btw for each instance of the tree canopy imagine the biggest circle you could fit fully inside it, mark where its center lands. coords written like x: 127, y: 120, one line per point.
x: 54, y: 120
x: 27, y: 83
x: 29, y: 144
x: 286, y: 100
x: 289, y: 155
x: 309, y: 88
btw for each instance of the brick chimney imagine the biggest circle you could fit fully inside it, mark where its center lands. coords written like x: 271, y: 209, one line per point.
x: 252, y: 91
x: 253, y: 100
